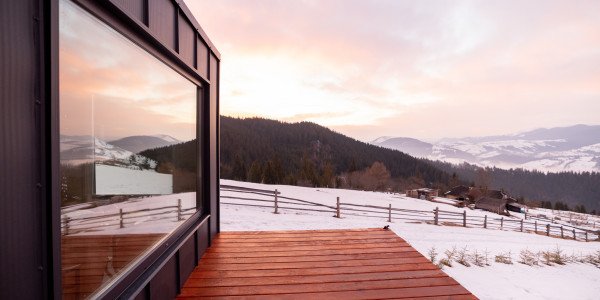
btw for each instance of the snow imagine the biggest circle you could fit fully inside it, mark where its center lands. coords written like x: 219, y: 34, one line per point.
x: 496, y: 281
x: 112, y: 180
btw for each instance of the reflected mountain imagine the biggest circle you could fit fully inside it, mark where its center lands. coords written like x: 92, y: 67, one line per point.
x: 139, y: 143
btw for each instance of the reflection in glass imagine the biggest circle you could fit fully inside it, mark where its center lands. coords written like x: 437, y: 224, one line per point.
x: 128, y: 157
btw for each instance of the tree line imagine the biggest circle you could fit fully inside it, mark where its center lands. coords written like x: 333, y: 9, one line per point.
x: 273, y: 152
x: 574, y: 191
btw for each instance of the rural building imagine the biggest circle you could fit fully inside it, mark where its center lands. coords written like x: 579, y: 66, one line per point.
x: 77, y: 75
x: 516, y: 207
x: 475, y: 193
x: 422, y: 193
x: 492, y: 204
x: 459, y: 192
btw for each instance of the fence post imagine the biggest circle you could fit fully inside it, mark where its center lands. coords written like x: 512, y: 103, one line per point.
x: 436, y: 214
x: 121, y: 218
x: 485, y: 221
x: 178, y: 209
x: 548, y: 229
x: 67, y: 220
x: 276, y: 207
x: 501, y: 222
x: 561, y: 232
x: 574, y: 236
x: 586, y: 237
x: 598, y: 234
x: 337, y: 214
x: 521, y: 225
x: 464, y: 218
x: 536, y: 226
x: 390, y: 213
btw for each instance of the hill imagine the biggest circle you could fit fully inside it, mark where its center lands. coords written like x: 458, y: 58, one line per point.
x: 140, y: 143
x: 296, y: 144
x: 575, y: 148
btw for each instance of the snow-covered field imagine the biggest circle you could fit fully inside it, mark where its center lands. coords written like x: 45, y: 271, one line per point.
x: 574, y: 280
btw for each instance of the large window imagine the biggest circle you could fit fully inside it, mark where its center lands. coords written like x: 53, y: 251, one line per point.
x: 128, y: 151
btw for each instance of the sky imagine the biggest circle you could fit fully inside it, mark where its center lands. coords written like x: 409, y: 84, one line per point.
x: 421, y: 69
x: 111, y: 88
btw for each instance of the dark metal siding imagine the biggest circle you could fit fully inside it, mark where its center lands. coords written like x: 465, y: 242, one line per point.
x: 165, y: 283
x: 187, y: 260
x: 187, y: 38
x: 162, y: 20
x: 137, y: 8
x: 214, y: 147
x: 22, y: 263
x: 202, y: 239
x: 202, y: 59
x: 29, y: 140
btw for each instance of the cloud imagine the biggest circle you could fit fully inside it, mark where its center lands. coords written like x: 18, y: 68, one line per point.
x: 383, y: 65
x: 113, y: 88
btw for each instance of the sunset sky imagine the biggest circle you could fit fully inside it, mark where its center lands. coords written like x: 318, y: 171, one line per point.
x: 422, y: 69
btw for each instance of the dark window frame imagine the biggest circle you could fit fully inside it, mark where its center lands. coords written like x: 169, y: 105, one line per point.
x: 136, y: 279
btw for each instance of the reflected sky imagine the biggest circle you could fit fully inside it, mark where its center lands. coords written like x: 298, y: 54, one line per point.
x: 111, y: 88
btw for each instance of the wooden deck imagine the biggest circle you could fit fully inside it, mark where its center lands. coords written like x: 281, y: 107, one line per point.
x: 319, y: 264
x: 89, y: 261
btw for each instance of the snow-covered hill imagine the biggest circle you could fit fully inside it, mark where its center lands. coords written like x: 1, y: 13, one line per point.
x: 139, y: 143
x: 575, y: 148
x: 82, y: 149
x: 494, y: 281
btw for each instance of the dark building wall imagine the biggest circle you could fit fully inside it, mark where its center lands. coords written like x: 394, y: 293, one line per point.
x: 21, y: 184
x: 29, y: 219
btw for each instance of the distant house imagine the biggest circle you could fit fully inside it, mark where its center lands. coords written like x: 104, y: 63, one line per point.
x: 496, y: 205
x: 459, y: 192
x: 422, y: 193
x: 512, y: 205
x: 476, y: 193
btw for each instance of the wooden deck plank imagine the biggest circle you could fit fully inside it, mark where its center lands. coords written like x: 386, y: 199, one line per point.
x: 323, y: 264
x: 238, y: 281
x: 269, y: 289
x: 250, y: 260
x: 307, y: 253
x: 89, y: 261
x: 312, y: 264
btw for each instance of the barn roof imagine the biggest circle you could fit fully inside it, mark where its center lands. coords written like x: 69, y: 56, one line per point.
x: 457, y: 191
x: 491, y: 204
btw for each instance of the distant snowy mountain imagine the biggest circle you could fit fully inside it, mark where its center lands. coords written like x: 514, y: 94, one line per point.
x: 84, y: 148
x: 139, y: 143
x: 575, y: 148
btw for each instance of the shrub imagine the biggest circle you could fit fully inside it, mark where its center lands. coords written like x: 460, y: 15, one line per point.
x: 504, y: 258
x: 478, y: 259
x: 463, y: 256
x: 528, y: 257
x: 558, y: 257
x: 432, y: 254
x: 547, y: 256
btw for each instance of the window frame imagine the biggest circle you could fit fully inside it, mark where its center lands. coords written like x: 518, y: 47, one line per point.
x: 136, y: 278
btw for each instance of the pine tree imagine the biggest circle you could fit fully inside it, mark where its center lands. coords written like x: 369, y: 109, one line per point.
x: 269, y: 176
x: 352, y: 168
x: 255, y: 173
x: 239, y: 169
x: 328, y: 175
x: 278, y: 168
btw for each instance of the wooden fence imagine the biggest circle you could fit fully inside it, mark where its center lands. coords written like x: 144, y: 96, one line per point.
x: 124, y: 218
x: 277, y: 202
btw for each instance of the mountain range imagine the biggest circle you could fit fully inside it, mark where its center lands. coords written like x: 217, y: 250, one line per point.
x: 84, y: 148
x: 574, y: 148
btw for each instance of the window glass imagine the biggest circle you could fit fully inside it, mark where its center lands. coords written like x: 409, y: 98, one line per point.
x: 128, y: 157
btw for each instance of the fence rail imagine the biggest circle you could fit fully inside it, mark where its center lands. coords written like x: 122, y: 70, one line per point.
x: 122, y: 219
x: 274, y: 199
x: 436, y: 216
